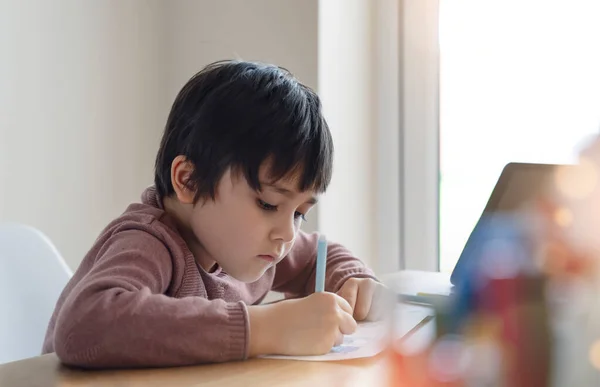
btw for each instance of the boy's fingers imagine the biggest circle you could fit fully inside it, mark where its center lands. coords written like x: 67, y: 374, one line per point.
x: 364, y: 300
x: 346, y: 304
x: 349, y: 292
x: 347, y: 323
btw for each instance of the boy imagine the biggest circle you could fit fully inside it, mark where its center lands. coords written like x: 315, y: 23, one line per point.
x: 178, y: 278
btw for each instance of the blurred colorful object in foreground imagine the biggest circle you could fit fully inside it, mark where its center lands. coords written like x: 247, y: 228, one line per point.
x: 495, y: 329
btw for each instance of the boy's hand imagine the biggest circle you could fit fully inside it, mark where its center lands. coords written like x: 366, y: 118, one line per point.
x: 365, y: 296
x: 305, y: 326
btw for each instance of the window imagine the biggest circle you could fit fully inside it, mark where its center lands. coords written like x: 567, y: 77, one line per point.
x: 519, y: 81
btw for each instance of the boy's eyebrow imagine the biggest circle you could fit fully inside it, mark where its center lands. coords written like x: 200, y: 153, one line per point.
x: 288, y: 193
x: 312, y: 200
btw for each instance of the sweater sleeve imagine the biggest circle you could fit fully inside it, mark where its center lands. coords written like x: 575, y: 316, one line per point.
x: 118, y: 316
x: 295, y: 274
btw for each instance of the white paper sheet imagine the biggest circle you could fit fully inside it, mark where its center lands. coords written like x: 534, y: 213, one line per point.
x: 368, y: 340
x: 371, y: 338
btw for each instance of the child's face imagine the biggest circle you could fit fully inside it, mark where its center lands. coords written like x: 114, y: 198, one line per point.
x: 246, y: 231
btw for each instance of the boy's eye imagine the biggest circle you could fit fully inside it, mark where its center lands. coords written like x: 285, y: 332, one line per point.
x: 300, y: 215
x: 269, y: 207
x: 266, y: 206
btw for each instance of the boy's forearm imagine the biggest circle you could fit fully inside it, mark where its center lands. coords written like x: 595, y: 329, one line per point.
x: 138, y: 329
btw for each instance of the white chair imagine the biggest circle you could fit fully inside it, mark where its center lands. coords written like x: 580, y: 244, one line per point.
x: 32, y: 276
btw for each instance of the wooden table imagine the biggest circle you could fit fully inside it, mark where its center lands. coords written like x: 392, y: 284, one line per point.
x: 47, y: 371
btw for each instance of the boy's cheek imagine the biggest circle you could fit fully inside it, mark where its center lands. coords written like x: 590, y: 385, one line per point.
x: 288, y: 247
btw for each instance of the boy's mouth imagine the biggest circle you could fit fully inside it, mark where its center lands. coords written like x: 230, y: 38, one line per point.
x: 269, y: 258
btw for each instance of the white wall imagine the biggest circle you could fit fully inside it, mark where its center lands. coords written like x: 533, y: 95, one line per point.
x: 359, y: 84
x: 201, y: 31
x: 80, y: 113
x: 420, y: 134
x: 387, y: 99
x: 346, y: 87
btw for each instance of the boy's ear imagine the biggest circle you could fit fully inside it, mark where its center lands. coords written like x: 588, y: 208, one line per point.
x: 181, y: 173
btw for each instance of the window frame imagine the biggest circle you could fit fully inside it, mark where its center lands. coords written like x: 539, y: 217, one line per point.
x: 419, y: 139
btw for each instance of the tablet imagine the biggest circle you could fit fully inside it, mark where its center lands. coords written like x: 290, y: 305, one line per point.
x: 519, y: 186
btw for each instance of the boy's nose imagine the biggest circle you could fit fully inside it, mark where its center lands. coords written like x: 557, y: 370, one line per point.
x: 285, y: 231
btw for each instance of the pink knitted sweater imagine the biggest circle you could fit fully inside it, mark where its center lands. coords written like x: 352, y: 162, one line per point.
x: 139, y: 299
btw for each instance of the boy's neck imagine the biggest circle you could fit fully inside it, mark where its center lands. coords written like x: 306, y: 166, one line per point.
x: 181, y: 216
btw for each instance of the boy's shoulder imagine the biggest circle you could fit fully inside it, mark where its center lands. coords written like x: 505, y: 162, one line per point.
x: 145, y: 219
x: 143, y: 214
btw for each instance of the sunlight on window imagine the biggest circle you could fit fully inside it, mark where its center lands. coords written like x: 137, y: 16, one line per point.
x: 519, y: 81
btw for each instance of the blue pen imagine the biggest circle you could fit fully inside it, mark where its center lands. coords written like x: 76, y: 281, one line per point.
x: 321, y: 264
